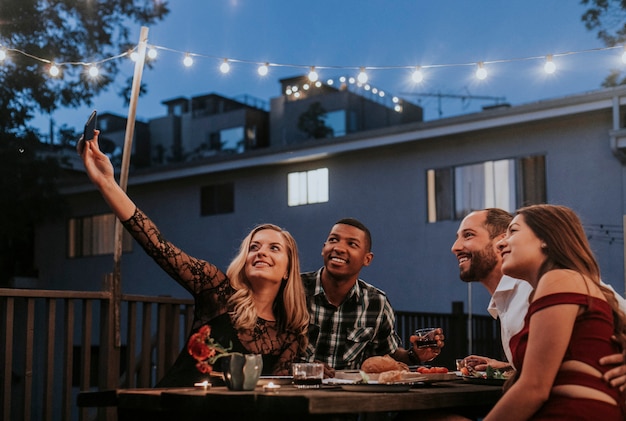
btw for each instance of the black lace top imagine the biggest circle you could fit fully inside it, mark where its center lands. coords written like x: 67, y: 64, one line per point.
x: 211, y: 290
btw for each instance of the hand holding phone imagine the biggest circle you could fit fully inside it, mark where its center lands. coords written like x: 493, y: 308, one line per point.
x: 88, y: 132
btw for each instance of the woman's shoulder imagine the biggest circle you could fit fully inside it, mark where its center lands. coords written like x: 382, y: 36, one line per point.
x: 561, y: 280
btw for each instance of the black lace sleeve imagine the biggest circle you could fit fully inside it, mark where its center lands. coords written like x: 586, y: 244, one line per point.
x: 195, y: 275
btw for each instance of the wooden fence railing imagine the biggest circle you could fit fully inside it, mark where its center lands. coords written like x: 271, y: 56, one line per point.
x: 57, y: 343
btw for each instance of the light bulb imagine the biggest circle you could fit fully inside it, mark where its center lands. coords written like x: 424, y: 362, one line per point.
x: 313, y: 76
x: 263, y: 69
x: 152, y: 53
x: 3, y: 54
x: 417, y: 75
x: 481, y: 72
x: 362, y: 77
x: 549, y: 67
x: 93, y: 71
x: 225, y: 66
x: 54, y: 70
x: 134, y: 56
x: 188, y: 60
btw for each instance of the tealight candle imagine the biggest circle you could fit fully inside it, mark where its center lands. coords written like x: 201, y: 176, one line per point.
x: 205, y: 384
x: 271, y: 387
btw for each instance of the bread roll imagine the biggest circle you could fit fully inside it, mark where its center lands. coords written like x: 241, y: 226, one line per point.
x: 391, y: 376
x: 381, y: 364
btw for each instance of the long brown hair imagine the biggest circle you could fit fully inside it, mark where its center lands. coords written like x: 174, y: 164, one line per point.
x: 567, y: 247
x: 290, y: 307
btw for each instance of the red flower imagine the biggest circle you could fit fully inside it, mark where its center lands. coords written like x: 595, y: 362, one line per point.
x: 203, y: 348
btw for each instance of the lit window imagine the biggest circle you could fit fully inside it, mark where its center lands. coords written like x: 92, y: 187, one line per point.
x: 94, y: 236
x: 454, y: 192
x: 307, y: 187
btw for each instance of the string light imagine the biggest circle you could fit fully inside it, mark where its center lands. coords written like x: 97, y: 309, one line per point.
x: 481, y: 72
x: 549, y: 67
x: 362, y: 77
x: 313, y: 76
x: 54, y: 70
x: 225, y: 66
x: 188, y: 60
x: 263, y: 69
x: 93, y: 71
x: 417, y: 75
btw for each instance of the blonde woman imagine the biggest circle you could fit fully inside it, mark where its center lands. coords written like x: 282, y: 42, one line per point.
x: 258, y: 305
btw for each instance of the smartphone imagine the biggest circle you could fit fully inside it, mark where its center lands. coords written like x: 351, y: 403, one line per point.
x: 88, y: 132
x: 90, y: 126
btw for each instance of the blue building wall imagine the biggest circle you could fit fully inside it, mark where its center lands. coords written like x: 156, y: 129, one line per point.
x: 378, y: 177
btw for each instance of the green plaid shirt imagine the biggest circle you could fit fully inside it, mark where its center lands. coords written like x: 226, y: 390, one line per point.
x: 361, y: 327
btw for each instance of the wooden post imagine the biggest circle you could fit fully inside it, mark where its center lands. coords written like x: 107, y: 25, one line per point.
x: 116, y: 285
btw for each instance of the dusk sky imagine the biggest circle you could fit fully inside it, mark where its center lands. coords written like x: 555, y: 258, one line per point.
x: 446, y: 37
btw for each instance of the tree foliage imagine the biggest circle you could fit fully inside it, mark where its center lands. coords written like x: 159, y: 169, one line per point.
x: 608, y: 19
x: 62, y: 31
x: 313, y: 122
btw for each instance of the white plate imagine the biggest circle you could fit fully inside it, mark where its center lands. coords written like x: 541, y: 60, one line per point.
x: 438, y: 377
x: 375, y: 387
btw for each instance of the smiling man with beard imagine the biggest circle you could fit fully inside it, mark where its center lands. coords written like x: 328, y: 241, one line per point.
x: 351, y: 320
x: 480, y: 261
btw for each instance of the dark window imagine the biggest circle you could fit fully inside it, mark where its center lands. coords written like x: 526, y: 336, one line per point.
x: 94, y: 236
x: 453, y: 192
x: 216, y: 199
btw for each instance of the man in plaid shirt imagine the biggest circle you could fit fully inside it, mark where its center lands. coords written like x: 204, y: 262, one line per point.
x: 351, y: 320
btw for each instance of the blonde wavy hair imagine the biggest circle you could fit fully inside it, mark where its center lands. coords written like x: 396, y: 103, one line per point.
x: 290, y: 306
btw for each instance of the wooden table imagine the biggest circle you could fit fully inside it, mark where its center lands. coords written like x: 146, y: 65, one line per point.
x: 471, y: 400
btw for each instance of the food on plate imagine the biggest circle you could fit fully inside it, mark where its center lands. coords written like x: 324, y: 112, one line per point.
x: 391, y: 376
x: 380, y: 364
x: 490, y: 373
x: 431, y: 370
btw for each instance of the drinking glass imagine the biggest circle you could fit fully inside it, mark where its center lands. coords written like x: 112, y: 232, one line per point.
x: 307, y: 375
x: 426, y: 337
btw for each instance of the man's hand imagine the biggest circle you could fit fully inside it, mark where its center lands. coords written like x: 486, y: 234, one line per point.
x: 616, y: 377
x: 480, y: 363
x: 429, y: 353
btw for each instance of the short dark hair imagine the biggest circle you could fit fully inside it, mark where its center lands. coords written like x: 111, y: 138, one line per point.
x: 497, y: 221
x: 358, y: 224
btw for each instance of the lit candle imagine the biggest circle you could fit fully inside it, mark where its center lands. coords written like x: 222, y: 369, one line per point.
x: 205, y: 384
x: 271, y: 387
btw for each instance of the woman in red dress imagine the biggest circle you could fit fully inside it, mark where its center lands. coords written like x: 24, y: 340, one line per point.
x: 571, y: 323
